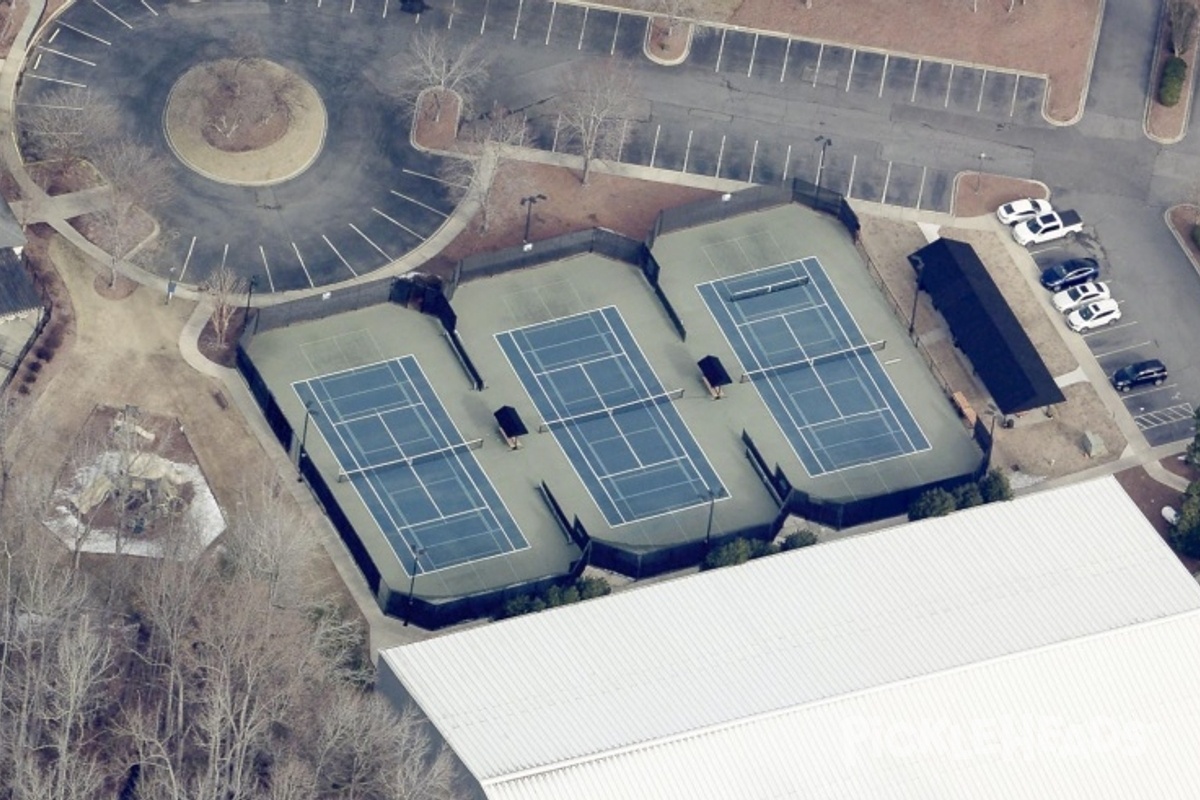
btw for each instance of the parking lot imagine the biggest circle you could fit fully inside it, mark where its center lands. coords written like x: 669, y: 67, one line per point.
x: 1162, y: 413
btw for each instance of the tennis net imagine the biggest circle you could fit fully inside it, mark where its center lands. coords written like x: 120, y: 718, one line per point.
x: 847, y: 353
x: 600, y: 413
x: 778, y: 286
x: 408, y: 461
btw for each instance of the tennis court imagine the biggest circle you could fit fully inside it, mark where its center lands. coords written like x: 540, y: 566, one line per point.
x: 397, y: 445
x: 814, y: 369
x: 611, y: 416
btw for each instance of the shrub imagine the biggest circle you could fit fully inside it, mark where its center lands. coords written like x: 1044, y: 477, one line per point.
x: 995, y: 487
x: 794, y: 541
x: 1170, y: 84
x: 967, y: 495
x: 34, y: 366
x: 44, y: 352
x: 934, y: 503
x: 1185, y: 535
x: 739, y: 551
x: 581, y: 589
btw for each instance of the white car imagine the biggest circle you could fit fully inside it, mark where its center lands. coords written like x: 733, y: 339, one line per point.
x: 1021, y: 210
x: 1094, y: 315
x: 1080, y: 295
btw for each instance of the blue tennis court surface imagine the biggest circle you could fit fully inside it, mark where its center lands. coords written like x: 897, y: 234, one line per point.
x: 596, y: 392
x: 818, y: 375
x: 406, y: 459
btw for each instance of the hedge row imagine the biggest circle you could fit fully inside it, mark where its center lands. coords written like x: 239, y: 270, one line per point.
x: 1170, y: 84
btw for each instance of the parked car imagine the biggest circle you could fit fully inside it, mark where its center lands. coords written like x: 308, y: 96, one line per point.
x: 1072, y: 272
x: 1139, y: 373
x: 1047, y: 227
x: 1094, y: 315
x: 1021, y: 210
x: 1080, y: 295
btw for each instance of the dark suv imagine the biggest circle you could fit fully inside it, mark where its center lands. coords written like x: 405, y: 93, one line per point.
x: 1139, y: 374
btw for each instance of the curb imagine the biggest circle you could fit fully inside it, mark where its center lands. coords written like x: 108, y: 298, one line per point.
x: 648, y: 49
x: 959, y: 176
x: 1187, y: 251
x: 1151, y: 89
x: 1087, y: 84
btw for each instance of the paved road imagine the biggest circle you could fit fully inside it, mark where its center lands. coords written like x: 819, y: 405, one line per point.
x: 742, y: 107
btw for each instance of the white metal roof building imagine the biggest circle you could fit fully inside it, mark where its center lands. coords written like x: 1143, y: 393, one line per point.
x: 1046, y: 647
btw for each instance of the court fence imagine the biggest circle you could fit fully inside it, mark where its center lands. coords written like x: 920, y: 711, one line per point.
x: 848, y: 513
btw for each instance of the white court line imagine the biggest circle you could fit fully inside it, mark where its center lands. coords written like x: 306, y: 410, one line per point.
x: 574, y: 364
x: 52, y: 51
x: 148, y: 8
x: 57, y: 80
x: 267, y: 267
x: 82, y: 32
x: 303, y: 266
x: 101, y: 6
x: 398, y: 224
x: 337, y: 253
x: 382, y: 252
x: 187, y: 259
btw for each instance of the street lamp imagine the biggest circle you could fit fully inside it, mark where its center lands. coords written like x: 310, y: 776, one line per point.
x: 529, y: 202
x: 417, y: 552
x: 308, y: 412
x: 979, y: 173
x: 825, y: 141
x: 712, y: 507
x: 249, y: 294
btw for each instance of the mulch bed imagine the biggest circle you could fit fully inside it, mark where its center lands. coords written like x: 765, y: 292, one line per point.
x: 433, y: 130
x: 59, y: 177
x: 223, y: 354
x: 974, y: 197
x: 1150, y: 496
x: 1169, y: 122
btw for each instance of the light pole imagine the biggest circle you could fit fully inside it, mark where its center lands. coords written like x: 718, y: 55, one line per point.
x: 417, y: 552
x: 912, y: 317
x: 529, y: 202
x: 825, y: 141
x: 249, y: 295
x: 979, y: 174
x: 308, y: 412
x: 712, y: 507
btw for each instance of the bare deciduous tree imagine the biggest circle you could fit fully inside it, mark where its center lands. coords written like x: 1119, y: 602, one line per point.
x: 677, y: 13
x: 224, y: 288
x: 137, y: 179
x: 1181, y: 18
x: 483, y: 144
x: 444, y: 68
x: 596, y: 104
x: 68, y: 124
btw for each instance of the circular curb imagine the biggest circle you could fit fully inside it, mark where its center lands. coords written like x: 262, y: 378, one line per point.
x: 648, y: 48
x: 1187, y: 251
x: 1152, y: 88
x: 223, y: 167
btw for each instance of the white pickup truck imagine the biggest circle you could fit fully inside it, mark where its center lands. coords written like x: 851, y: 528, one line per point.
x: 1047, y: 227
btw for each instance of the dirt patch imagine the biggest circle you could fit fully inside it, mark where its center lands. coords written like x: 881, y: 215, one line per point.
x: 1178, y: 466
x: 1150, y: 497
x: 976, y: 194
x: 668, y: 41
x: 12, y: 16
x: 238, y: 104
x: 136, y: 228
x: 435, y: 124
x: 64, y: 177
x: 223, y: 353
x: 1168, y: 123
x: 623, y: 205
x: 117, y: 289
x: 1183, y: 219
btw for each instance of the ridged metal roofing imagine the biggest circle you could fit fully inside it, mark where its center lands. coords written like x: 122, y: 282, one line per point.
x: 731, y: 655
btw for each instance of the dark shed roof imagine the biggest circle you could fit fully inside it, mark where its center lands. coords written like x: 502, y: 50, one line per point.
x: 984, y: 327
x: 17, y: 292
x: 714, y: 371
x: 510, y: 421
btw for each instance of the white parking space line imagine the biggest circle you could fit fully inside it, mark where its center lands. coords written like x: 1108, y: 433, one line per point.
x: 101, y: 6
x: 351, y: 6
x: 266, y: 266
x: 817, y: 71
x: 787, y: 162
x: 582, y: 28
x: 1149, y: 390
x: 303, y: 266
x: 398, y: 224
x: 654, y: 148
x: 850, y: 74
x: 753, y: 53
x: 427, y: 177
x: 687, y: 152
x: 483, y: 22
x: 1108, y: 353
x: 149, y: 8
x: 1108, y: 328
x: 921, y: 191
x: 385, y: 6
x: 37, y: 62
x: 517, y: 24
x: 225, y: 255
x: 883, y: 75
x: 54, y: 35
x: 337, y: 253
x: 720, y: 156
x: 550, y: 27
x: 916, y: 81
x: 557, y: 129
x: 417, y: 202
x: 612, y: 50
x: 720, y: 50
x: 949, y: 83
x: 382, y: 252
x: 1163, y: 416
x: 753, y: 161
x: 187, y: 259
x: 787, y: 51
x: 886, y: 180
x: 57, y: 80
x: 850, y: 183
x: 82, y: 32
x: 624, y: 138
x: 982, y: 83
